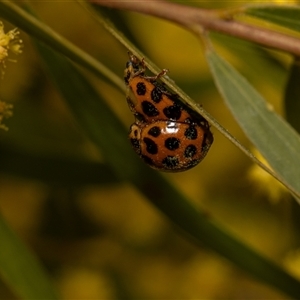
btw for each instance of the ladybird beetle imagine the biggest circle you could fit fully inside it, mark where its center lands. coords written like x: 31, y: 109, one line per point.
x: 165, y: 134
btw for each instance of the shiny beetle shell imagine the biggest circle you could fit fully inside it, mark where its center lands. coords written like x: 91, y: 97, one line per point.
x: 170, y: 146
x: 165, y: 134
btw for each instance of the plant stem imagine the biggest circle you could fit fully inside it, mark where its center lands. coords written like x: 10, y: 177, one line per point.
x: 198, y: 19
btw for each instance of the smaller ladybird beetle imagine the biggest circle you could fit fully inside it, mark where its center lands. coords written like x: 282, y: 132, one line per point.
x: 165, y: 134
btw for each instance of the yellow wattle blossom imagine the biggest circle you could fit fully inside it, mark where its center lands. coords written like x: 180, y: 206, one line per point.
x: 5, y: 112
x: 9, y: 42
x: 264, y: 183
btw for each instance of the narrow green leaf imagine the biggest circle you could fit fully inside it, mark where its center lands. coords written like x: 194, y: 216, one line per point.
x: 20, y: 269
x: 109, y: 135
x: 278, y: 142
x: 285, y: 15
x: 52, y: 168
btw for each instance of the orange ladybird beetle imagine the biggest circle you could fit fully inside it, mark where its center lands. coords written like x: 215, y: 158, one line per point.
x: 165, y: 134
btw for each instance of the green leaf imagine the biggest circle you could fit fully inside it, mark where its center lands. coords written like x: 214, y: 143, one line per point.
x: 109, y: 135
x: 286, y: 16
x: 278, y: 142
x: 20, y: 269
x: 51, y: 168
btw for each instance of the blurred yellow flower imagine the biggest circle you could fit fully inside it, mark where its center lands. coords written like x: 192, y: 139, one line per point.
x: 5, y: 112
x: 264, y: 183
x: 9, y: 42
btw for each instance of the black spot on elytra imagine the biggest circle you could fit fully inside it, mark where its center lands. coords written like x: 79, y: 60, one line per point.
x: 154, y: 131
x: 156, y: 94
x: 172, y: 112
x: 147, y: 160
x: 141, y: 88
x: 149, y: 109
x: 170, y: 162
x: 190, y: 151
x: 173, y: 97
x: 193, y: 163
x: 151, y: 146
x: 191, y: 133
x: 172, y: 143
x: 135, y: 143
x: 139, y: 117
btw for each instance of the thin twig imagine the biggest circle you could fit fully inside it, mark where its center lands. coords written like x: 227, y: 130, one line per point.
x: 198, y: 19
